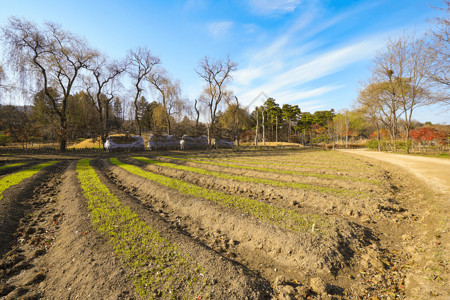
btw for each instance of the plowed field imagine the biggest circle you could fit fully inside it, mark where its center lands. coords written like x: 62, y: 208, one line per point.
x: 292, y: 224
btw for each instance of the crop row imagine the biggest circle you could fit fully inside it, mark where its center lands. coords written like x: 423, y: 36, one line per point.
x: 270, y: 170
x: 274, y: 215
x: 285, y: 162
x: 314, y: 156
x: 270, y: 182
x: 12, y: 165
x: 158, y: 264
x: 16, y: 178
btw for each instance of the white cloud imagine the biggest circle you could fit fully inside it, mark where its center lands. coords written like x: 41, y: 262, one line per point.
x: 285, y: 83
x: 246, y: 76
x: 270, y: 7
x: 219, y: 29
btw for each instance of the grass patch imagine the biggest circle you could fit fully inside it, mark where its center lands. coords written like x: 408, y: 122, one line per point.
x: 12, y: 165
x: 294, y: 185
x: 161, y: 270
x: 306, y: 174
x: 270, y: 214
x: 16, y: 178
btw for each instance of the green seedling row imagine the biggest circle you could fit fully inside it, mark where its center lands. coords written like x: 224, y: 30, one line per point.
x: 12, y: 165
x: 16, y: 178
x: 294, y: 185
x: 160, y: 269
x: 307, y: 174
x: 267, y: 213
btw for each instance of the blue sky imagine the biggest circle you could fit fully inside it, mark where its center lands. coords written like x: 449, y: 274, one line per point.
x: 310, y: 53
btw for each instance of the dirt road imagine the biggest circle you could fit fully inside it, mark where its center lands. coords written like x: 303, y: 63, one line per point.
x: 434, y: 171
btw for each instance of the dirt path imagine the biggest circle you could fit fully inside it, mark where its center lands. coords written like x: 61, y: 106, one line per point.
x: 429, y: 246
x: 434, y: 171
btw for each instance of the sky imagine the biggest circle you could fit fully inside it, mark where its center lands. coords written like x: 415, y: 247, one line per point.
x: 312, y: 53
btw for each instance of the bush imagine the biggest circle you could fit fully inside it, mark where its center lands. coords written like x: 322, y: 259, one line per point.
x: 372, y: 144
x: 4, y: 139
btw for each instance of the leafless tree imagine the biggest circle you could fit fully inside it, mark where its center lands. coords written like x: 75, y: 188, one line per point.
x: 52, y: 56
x: 197, y: 116
x: 440, y: 50
x: 141, y: 63
x: 402, y: 68
x: 380, y: 98
x: 169, y: 94
x: 371, y: 111
x: 216, y: 75
x: 101, y: 87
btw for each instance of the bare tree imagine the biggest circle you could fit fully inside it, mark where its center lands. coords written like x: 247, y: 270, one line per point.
x: 384, y: 104
x: 51, y: 55
x: 3, y: 86
x: 403, y: 67
x: 2, y: 77
x: 141, y: 63
x: 101, y: 88
x: 197, y: 118
x: 372, y: 112
x: 439, y: 46
x: 216, y: 75
x: 169, y: 94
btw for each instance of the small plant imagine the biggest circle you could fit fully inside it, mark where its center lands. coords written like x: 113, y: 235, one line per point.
x: 294, y: 185
x: 160, y: 269
x: 12, y: 165
x: 286, y: 218
x: 16, y: 178
x: 308, y: 174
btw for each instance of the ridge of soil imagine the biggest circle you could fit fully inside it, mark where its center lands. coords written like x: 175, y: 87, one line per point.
x: 229, y: 280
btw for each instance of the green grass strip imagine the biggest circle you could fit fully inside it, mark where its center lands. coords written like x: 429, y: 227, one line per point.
x: 16, y: 178
x: 157, y: 263
x: 12, y: 165
x: 274, y: 215
x: 294, y: 185
x: 307, y: 174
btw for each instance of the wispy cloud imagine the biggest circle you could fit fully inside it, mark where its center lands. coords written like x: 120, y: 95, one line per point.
x: 285, y: 83
x: 293, y: 67
x: 220, y: 29
x: 271, y: 7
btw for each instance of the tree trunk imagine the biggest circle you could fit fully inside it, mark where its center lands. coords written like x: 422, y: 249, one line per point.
x: 257, y: 125
x: 276, y: 129
x: 136, y: 118
x: 264, y: 129
x: 378, y: 137
x: 63, y: 135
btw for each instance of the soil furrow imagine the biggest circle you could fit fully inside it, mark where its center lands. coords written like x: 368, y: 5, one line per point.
x: 308, y: 252
x: 225, y: 278
x: 296, y: 199
x: 339, y: 184
x: 23, y: 268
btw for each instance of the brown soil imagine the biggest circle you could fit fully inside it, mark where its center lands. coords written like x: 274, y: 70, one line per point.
x: 393, y: 243
x: 427, y: 241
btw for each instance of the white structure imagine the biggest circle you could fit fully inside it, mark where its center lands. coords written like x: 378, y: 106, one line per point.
x: 116, y: 142
x: 165, y: 142
x: 222, y: 143
x: 188, y: 142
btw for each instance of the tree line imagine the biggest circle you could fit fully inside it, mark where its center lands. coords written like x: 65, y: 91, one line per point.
x: 78, y: 89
